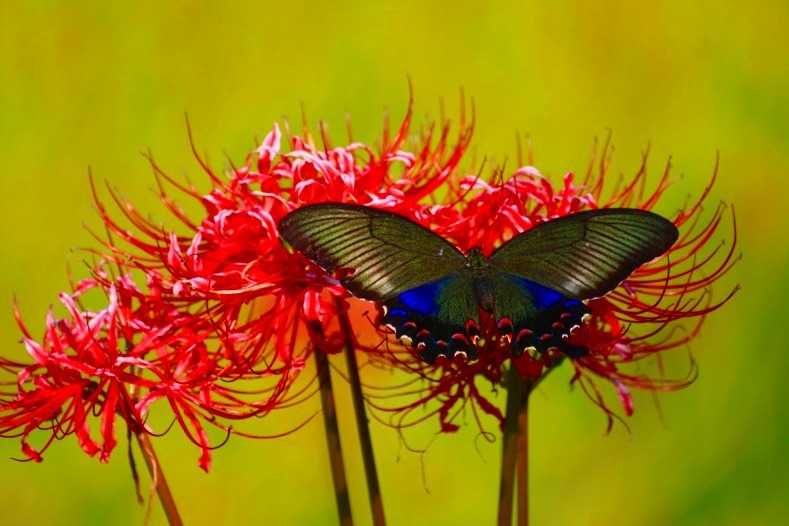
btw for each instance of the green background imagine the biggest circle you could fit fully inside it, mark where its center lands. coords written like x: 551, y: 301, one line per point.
x: 85, y: 84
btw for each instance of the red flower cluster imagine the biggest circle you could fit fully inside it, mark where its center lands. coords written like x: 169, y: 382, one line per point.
x: 117, y: 361
x: 228, y: 318
x: 634, y: 322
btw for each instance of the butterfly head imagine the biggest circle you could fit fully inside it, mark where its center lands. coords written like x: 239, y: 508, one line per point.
x: 475, y: 260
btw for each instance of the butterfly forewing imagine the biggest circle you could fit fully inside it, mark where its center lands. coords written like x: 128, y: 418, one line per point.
x: 587, y: 254
x: 387, y: 253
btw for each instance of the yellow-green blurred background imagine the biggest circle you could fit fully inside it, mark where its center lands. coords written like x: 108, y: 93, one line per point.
x: 93, y: 84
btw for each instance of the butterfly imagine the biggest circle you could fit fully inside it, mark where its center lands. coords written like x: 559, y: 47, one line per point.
x: 534, y: 285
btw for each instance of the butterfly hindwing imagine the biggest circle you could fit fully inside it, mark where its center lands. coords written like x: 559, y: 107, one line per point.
x: 434, y: 318
x: 586, y: 255
x: 534, y: 317
x: 387, y: 253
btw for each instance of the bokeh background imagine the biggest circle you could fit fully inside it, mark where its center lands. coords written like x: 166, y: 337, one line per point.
x: 93, y: 84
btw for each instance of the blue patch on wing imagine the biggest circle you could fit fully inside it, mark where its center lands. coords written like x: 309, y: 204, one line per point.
x: 423, y: 299
x: 398, y: 312
x: 542, y: 297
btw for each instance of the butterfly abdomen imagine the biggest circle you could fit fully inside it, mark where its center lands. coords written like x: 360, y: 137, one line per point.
x: 483, y: 292
x: 477, y: 268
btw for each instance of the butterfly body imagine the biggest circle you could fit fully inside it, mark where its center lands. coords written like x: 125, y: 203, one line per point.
x: 435, y: 297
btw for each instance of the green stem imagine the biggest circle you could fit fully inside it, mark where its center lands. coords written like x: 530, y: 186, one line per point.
x: 159, y: 482
x: 363, y: 429
x: 523, y: 454
x: 331, y: 427
x: 510, y: 447
x: 516, y: 445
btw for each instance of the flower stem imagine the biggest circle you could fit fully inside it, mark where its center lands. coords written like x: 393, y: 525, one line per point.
x: 333, y: 440
x: 363, y: 429
x: 159, y: 482
x: 523, y: 454
x: 516, y: 444
x: 510, y: 447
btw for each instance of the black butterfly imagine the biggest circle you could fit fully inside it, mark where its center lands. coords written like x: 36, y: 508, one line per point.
x: 534, y: 284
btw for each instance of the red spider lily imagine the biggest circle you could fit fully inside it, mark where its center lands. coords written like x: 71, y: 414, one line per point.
x: 234, y: 258
x: 223, y: 301
x: 636, y: 321
x: 117, y: 361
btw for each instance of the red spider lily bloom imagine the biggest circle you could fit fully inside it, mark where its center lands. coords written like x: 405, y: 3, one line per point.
x: 227, y: 317
x: 638, y: 320
x: 114, y: 363
x: 233, y: 259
